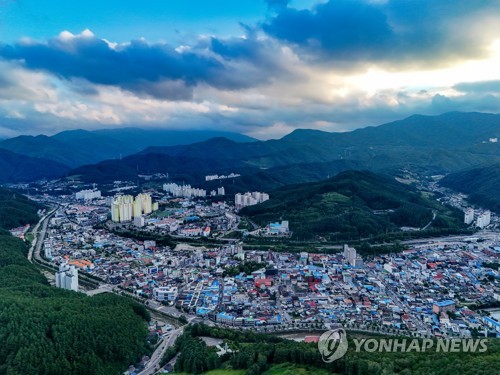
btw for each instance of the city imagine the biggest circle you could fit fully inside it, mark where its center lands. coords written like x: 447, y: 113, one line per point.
x: 431, y: 288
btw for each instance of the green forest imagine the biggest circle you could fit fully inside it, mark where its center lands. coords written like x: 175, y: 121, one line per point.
x: 44, y: 330
x: 350, y: 206
x: 256, y: 353
x: 16, y: 209
x: 480, y: 183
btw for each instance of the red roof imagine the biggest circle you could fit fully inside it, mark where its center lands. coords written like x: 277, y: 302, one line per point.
x: 311, y: 339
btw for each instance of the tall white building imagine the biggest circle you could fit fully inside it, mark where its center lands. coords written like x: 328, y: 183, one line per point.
x: 88, y: 195
x: 143, y: 204
x: 469, y: 216
x: 67, y: 277
x: 350, y: 255
x: 303, y: 257
x: 47, y: 248
x: 484, y: 219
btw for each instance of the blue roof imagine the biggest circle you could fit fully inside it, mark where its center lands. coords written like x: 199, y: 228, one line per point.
x: 225, y: 316
x: 493, y: 322
x: 202, y: 311
x: 444, y: 303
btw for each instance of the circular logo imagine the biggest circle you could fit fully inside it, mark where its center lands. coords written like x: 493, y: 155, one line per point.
x: 333, y: 344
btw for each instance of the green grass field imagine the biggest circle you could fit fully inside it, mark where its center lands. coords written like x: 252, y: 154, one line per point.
x: 281, y: 369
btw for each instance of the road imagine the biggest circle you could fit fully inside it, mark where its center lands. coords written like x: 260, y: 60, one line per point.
x: 430, y: 222
x: 484, y: 234
x: 38, y: 237
x: 103, y: 288
x: 153, y: 364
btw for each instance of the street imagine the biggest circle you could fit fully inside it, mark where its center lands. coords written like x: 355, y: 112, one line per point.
x: 153, y: 364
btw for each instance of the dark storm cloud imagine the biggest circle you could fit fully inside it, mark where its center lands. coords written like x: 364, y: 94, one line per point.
x: 157, y: 70
x: 263, y: 54
x: 339, y: 28
x: 485, y: 102
x: 354, y: 30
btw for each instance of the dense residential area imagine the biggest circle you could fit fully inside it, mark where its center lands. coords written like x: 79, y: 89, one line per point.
x: 231, y: 284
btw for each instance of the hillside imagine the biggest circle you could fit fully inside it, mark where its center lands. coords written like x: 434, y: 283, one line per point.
x: 46, y: 330
x: 452, y: 139
x: 74, y: 148
x: 481, y: 184
x: 435, y: 145
x: 268, y: 354
x: 16, y: 210
x: 20, y: 168
x: 192, y: 170
x: 350, y: 206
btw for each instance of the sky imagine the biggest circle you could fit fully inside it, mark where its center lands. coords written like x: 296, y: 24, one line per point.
x: 258, y: 67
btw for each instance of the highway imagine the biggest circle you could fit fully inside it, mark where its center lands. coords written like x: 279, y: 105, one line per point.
x: 38, y: 237
x: 434, y: 214
x: 153, y: 364
x: 450, y: 240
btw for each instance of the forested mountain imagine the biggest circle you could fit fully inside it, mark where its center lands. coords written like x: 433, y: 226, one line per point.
x: 16, y: 210
x: 45, y: 330
x: 439, y: 144
x: 350, y: 206
x: 74, y: 148
x: 482, y: 184
x: 448, y: 138
x: 192, y: 170
x: 20, y: 168
x: 77, y: 148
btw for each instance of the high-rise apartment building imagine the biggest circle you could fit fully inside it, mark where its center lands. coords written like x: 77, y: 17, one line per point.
x: 67, y: 277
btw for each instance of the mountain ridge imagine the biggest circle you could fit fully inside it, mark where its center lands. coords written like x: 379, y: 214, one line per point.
x: 429, y: 148
x: 480, y: 183
x: 20, y: 168
x: 74, y: 148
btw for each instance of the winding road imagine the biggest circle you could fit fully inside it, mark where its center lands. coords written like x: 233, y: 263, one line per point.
x: 153, y: 364
x: 38, y: 237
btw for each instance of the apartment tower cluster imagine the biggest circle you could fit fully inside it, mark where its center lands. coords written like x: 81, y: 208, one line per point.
x: 249, y: 199
x: 88, y: 195
x: 125, y: 207
x: 185, y: 191
x: 482, y: 221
